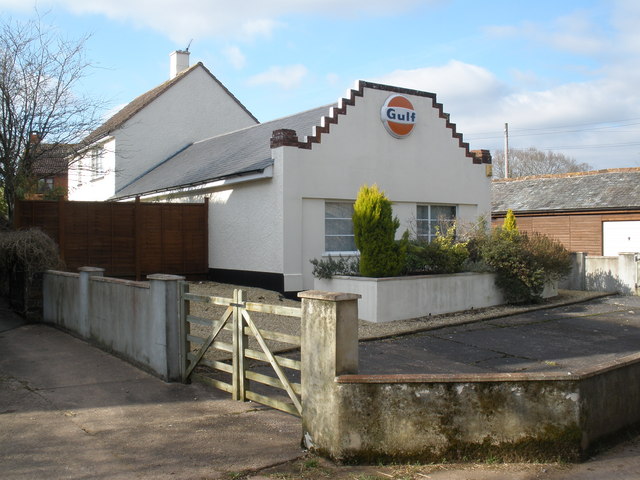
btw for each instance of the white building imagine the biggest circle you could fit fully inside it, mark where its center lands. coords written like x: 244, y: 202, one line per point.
x: 281, y: 192
x: 190, y: 106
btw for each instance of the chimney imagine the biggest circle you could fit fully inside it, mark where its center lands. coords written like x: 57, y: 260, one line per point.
x: 34, y: 138
x: 179, y: 61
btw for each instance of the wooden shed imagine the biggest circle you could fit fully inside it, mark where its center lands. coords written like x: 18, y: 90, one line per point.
x: 594, y: 212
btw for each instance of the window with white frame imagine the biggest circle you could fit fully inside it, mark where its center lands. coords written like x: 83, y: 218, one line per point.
x: 433, y: 218
x: 338, y: 227
x: 96, y: 163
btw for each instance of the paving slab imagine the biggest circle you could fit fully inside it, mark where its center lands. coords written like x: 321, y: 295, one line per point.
x: 69, y: 410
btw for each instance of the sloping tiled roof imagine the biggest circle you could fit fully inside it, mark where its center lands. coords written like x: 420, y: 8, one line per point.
x: 145, y: 99
x: 581, y: 191
x: 236, y: 153
x: 52, y: 160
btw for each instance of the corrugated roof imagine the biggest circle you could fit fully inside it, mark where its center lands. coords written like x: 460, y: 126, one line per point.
x: 236, y: 153
x: 145, y: 99
x: 596, y: 190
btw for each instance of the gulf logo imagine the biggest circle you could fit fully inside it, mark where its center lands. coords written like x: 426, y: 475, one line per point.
x: 398, y: 116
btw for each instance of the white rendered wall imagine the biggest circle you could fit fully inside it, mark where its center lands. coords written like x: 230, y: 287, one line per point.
x: 83, y: 186
x: 427, y: 167
x: 194, y: 108
x: 245, y: 228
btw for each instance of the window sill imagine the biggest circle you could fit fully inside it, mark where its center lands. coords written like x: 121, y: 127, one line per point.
x: 341, y: 254
x: 97, y: 179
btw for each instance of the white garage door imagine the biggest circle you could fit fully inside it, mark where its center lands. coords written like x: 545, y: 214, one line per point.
x: 620, y: 237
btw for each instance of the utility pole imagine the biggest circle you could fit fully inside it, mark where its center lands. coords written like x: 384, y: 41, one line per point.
x: 506, y: 150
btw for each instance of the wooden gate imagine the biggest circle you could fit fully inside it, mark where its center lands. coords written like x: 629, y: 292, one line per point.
x: 237, y: 323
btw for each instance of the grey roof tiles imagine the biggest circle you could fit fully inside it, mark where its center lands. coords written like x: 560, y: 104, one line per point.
x: 598, y: 190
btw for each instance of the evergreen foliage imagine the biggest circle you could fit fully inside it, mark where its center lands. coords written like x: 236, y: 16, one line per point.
x: 374, y: 228
x: 509, y: 224
x: 328, y: 267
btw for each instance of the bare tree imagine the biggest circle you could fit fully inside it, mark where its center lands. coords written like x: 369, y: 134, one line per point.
x: 41, y: 111
x: 531, y: 161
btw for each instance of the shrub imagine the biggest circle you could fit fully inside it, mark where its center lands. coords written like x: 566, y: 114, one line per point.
x: 374, y: 229
x: 509, y: 224
x: 24, y: 255
x: 29, y: 251
x: 524, y: 263
x: 327, y: 268
x: 442, y: 255
x: 551, y: 255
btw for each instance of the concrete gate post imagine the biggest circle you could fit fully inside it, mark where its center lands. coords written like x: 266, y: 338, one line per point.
x: 165, y: 324
x: 628, y: 272
x: 84, y: 329
x: 329, y: 347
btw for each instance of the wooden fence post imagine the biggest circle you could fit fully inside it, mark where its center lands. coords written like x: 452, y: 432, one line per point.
x: 205, y: 255
x: 61, y: 223
x: 137, y: 234
x: 240, y: 340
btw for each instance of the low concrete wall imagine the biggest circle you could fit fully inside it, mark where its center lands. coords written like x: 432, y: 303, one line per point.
x: 138, y: 321
x: 514, y: 417
x: 402, y: 298
x: 604, y: 274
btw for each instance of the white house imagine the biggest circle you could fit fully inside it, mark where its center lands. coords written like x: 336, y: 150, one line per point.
x: 190, y: 106
x: 281, y: 192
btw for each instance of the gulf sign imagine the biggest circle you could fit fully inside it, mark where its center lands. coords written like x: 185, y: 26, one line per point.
x: 398, y: 116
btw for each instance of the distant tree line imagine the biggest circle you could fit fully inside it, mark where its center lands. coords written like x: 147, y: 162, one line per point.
x: 531, y: 161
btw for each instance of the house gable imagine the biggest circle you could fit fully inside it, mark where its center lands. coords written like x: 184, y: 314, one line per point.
x: 289, y: 138
x: 158, y: 124
x: 139, y: 103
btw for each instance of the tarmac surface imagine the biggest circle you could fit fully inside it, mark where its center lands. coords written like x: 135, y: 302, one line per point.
x: 559, y: 340
x: 71, y: 411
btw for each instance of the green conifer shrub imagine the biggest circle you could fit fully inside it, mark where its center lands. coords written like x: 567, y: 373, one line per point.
x: 509, y: 224
x: 374, y: 229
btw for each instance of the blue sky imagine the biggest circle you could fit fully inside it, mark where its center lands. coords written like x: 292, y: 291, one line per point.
x: 563, y: 74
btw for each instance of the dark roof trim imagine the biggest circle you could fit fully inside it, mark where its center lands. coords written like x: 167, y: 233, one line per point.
x: 286, y: 139
x: 557, y: 213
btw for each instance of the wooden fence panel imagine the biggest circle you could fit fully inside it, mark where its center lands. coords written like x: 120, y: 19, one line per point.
x: 126, y: 239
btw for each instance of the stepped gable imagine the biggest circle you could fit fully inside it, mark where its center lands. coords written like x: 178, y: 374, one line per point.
x: 289, y: 138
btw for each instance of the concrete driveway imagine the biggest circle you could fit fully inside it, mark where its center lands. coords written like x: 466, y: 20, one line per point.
x: 71, y: 411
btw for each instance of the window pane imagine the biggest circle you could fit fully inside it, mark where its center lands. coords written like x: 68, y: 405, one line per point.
x: 339, y: 244
x: 423, y: 212
x: 442, y: 212
x: 338, y: 226
x: 434, y: 218
x: 338, y: 210
x: 423, y: 227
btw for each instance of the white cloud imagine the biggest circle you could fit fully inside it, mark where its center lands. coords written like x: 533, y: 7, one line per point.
x: 480, y: 104
x: 246, y: 20
x: 235, y: 57
x: 288, y: 77
x: 261, y: 27
x: 461, y: 85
